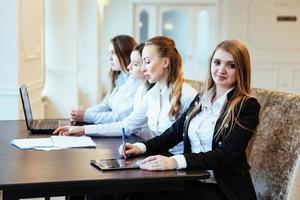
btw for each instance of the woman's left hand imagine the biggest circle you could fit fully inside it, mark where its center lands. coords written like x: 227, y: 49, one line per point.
x: 158, y: 162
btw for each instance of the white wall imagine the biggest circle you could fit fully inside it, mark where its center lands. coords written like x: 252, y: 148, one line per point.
x: 274, y: 46
x: 8, y: 60
x: 21, y: 56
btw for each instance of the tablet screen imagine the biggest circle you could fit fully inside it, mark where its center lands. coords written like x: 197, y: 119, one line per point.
x: 113, y: 164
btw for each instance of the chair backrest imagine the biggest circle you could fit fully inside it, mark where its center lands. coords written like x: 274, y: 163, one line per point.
x: 277, y: 143
x: 274, y: 150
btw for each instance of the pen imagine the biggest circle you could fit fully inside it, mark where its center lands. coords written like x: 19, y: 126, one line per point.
x: 124, y: 142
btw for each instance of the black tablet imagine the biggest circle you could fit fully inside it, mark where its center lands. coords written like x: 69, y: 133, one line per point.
x: 116, y: 164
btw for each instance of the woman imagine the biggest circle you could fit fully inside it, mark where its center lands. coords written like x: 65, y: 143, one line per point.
x: 161, y: 106
x: 215, y: 129
x: 118, y: 103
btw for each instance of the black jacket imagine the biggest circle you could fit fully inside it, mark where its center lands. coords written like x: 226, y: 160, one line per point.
x: 227, y: 158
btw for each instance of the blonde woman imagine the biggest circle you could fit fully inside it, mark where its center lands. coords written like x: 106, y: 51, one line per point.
x: 161, y: 106
x: 217, y: 128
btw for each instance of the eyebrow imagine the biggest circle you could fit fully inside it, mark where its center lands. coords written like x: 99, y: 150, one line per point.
x: 227, y: 61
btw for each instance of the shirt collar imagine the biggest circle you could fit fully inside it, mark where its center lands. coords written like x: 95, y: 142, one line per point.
x: 207, y: 97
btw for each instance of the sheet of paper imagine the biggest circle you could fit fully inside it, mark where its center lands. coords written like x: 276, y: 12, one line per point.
x: 30, y: 143
x: 48, y: 148
x: 71, y: 141
x: 54, y: 143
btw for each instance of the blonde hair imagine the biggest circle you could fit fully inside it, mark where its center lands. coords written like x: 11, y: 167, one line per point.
x: 242, y: 88
x: 123, y: 45
x: 167, y: 48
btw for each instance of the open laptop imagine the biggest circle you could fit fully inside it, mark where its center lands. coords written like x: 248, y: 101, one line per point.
x: 43, y: 126
x: 116, y: 164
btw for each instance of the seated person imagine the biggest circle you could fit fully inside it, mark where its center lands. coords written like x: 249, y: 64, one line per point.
x: 118, y: 103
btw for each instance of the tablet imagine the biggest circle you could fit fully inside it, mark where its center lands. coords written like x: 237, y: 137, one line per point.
x: 116, y: 164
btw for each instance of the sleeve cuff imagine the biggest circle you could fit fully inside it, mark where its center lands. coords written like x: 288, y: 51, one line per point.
x: 141, y: 146
x: 181, y: 162
x: 88, y: 116
x: 90, y: 129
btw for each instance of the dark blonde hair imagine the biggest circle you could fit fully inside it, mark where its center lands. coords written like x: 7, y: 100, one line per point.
x: 167, y: 48
x: 123, y: 45
x: 242, y: 88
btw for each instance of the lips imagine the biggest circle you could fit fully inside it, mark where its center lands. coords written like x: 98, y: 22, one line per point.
x: 221, y: 77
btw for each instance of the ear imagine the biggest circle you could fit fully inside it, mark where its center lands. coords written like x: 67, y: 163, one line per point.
x: 166, y: 62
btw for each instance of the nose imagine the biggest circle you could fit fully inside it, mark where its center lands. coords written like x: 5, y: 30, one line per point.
x: 129, y: 66
x: 222, y: 67
x: 109, y: 56
x: 143, y: 68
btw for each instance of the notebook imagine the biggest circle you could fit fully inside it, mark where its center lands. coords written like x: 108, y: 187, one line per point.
x: 43, y: 126
x: 116, y: 164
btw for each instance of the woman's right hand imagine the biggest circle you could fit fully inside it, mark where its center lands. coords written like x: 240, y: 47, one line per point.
x: 130, y: 150
x: 70, y: 131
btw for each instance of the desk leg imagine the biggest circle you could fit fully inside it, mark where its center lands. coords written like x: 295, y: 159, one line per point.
x: 8, y: 196
x: 116, y: 196
x: 1, y: 195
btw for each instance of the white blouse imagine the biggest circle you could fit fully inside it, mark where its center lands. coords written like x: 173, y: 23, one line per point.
x: 116, y: 105
x: 154, y: 110
x: 202, y: 127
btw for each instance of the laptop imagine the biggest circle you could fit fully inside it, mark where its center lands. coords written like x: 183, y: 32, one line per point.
x: 42, y: 126
x: 116, y: 164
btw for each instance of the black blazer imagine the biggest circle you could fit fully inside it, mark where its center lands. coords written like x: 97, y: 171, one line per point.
x: 227, y: 158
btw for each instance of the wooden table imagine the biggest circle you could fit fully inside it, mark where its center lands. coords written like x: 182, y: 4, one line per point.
x: 32, y: 173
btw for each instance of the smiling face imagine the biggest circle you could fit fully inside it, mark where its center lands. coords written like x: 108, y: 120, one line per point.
x: 113, y: 58
x: 154, y: 65
x: 223, y: 70
x: 135, y: 66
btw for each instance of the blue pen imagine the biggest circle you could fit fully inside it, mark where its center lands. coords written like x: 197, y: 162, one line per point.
x: 124, y: 142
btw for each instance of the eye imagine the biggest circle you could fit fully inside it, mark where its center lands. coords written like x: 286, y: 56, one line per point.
x: 231, y: 65
x: 217, y: 62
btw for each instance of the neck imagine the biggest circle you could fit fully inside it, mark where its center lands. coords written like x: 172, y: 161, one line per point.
x: 220, y: 92
x: 163, y: 84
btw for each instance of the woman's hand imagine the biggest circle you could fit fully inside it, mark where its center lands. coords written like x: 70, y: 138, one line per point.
x: 70, y: 130
x: 77, y: 114
x: 130, y: 149
x: 158, y: 162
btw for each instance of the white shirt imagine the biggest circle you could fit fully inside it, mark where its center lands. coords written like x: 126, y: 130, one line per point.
x: 115, y: 128
x: 202, y: 126
x: 154, y: 110
x: 116, y: 105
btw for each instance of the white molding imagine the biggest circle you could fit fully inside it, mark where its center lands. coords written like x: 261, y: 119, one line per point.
x: 61, y: 70
x: 295, y: 79
x: 35, y: 85
x: 174, y: 2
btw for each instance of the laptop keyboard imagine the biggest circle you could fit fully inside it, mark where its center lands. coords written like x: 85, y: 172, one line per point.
x: 45, y: 124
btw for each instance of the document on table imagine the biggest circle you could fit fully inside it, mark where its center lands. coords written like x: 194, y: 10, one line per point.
x: 54, y: 142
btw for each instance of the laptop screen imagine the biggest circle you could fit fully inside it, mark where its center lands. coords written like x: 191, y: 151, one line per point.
x: 26, y: 105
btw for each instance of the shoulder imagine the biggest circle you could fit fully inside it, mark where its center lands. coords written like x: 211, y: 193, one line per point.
x: 188, y: 93
x: 249, y: 101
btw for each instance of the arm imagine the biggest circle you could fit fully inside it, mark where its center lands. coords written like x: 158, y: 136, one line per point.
x: 132, y: 124
x: 231, y: 146
x: 90, y: 113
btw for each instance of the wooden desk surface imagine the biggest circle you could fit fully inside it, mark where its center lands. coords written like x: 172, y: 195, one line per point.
x: 31, y: 173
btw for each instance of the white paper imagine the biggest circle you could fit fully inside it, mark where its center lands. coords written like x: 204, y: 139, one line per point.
x: 54, y: 143
x: 32, y: 143
x: 71, y: 141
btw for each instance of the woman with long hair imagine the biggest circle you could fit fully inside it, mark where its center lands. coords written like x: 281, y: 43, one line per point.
x: 118, y: 103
